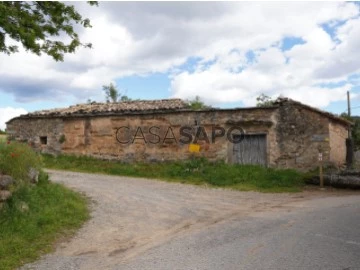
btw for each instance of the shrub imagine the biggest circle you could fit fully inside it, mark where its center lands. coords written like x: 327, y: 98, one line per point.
x: 16, y: 159
x: 35, y: 217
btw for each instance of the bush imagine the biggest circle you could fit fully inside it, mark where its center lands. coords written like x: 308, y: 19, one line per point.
x: 16, y: 159
x: 35, y: 217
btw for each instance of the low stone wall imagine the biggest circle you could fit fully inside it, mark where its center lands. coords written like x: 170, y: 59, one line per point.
x: 5, y: 183
x: 344, y: 179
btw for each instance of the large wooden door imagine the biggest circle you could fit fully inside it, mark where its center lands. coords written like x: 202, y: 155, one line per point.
x: 251, y: 150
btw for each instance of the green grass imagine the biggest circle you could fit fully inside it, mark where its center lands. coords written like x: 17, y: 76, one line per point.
x: 16, y: 159
x: 194, y: 171
x: 3, y: 138
x: 54, y: 212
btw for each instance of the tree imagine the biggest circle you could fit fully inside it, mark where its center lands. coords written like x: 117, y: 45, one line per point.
x: 264, y: 101
x: 35, y: 24
x: 197, y: 104
x: 114, y: 95
x: 355, y: 129
x: 111, y: 93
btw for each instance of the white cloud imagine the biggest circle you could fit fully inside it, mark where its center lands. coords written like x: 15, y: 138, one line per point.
x: 145, y: 37
x: 297, y: 73
x: 8, y: 113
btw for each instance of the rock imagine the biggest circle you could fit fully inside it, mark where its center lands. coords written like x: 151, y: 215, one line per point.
x: 23, y: 207
x: 33, y: 175
x: 338, y: 180
x: 4, y: 195
x: 5, y: 181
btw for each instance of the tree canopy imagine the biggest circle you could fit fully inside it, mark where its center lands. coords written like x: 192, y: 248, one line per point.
x: 355, y: 129
x: 37, y: 25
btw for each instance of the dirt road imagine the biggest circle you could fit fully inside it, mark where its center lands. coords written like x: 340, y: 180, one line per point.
x: 131, y: 216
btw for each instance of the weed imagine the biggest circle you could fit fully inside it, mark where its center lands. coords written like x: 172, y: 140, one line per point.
x: 196, y: 171
x: 16, y: 159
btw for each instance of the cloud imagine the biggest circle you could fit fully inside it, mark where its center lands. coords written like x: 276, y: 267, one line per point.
x: 8, y: 113
x: 141, y: 38
x: 304, y: 72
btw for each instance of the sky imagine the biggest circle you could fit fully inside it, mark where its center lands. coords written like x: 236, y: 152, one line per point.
x: 227, y: 53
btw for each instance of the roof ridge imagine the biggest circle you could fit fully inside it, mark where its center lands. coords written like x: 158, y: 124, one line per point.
x: 122, y: 106
x: 282, y: 100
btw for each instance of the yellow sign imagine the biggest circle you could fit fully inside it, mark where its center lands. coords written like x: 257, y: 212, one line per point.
x: 194, y: 148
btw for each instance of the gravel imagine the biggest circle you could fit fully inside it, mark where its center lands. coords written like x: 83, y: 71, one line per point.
x: 132, y: 216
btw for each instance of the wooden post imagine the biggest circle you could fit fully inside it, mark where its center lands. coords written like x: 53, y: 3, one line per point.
x: 349, y: 140
x: 348, y: 103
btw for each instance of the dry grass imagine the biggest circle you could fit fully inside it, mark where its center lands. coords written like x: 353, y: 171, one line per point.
x: 2, y: 138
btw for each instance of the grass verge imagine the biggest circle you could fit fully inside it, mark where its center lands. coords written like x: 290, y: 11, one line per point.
x: 195, y: 171
x: 3, y: 138
x: 35, y: 217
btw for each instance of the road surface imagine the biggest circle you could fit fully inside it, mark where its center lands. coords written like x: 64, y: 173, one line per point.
x: 148, y: 224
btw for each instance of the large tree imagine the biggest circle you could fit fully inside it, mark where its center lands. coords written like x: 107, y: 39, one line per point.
x: 36, y: 25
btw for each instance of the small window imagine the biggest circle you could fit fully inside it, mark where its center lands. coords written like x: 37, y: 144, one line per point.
x: 43, y: 140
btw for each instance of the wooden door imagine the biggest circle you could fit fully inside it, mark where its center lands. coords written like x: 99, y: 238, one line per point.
x: 251, y: 150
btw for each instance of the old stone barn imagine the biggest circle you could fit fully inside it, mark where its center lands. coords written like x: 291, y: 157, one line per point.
x: 287, y: 135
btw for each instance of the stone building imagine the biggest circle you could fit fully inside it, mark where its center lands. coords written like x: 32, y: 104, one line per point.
x: 287, y: 134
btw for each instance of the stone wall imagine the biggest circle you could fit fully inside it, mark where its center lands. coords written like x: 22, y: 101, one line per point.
x: 294, y: 135
x: 43, y: 134
x: 5, y: 188
x: 337, y: 138
x: 301, y: 135
x: 131, y: 137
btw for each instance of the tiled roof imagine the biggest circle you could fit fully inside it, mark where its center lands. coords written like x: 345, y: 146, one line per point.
x: 124, y: 106
x: 150, y: 106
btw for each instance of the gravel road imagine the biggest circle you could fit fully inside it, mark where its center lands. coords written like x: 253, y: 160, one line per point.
x: 133, y: 217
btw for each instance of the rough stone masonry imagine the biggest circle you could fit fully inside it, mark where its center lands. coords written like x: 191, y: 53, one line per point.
x: 287, y: 134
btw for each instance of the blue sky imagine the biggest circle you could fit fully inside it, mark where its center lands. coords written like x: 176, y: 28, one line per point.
x: 228, y: 53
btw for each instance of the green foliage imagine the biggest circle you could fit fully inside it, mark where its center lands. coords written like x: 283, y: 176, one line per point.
x: 16, y: 159
x: 197, y: 171
x: 2, y: 138
x: 62, y: 139
x: 125, y: 99
x: 35, y: 24
x: 52, y: 212
x: 2, y: 132
x: 197, y: 104
x: 111, y: 93
x: 264, y: 101
x: 355, y: 129
x: 346, y: 116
